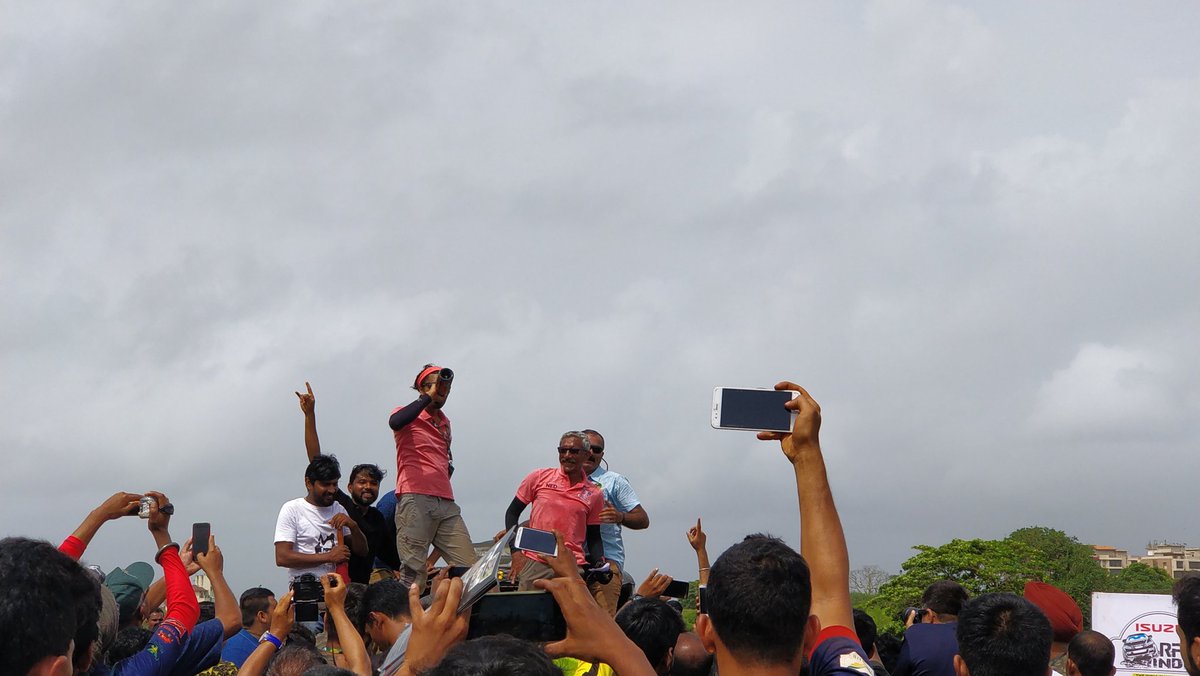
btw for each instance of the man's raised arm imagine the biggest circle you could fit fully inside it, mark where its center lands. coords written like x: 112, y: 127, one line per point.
x: 308, y: 406
x: 822, y: 541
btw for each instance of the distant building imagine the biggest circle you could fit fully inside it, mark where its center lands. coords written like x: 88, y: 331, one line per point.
x: 1110, y: 558
x: 202, y: 586
x: 1175, y: 559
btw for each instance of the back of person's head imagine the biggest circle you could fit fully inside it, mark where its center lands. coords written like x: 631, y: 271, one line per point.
x: 888, y: 645
x: 301, y: 636
x: 864, y: 626
x: 47, y: 600
x: 327, y: 670
x: 945, y: 598
x: 354, y: 595
x: 389, y: 597
x: 1002, y: 635
x: 129, y: 642
x: 323, y: 468
x: 1092, y: 654
x: 500, y: 655
x: 691, y: 658
x: 654, y: 627
x: 1187, y: 603
x: 759, y: 595
x: 208, y: 610
x: 106, y: 625
x: 294, y: 659
x: 253, y: 601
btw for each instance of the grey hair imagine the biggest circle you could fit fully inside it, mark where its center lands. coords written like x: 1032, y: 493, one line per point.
x: 587, y: 444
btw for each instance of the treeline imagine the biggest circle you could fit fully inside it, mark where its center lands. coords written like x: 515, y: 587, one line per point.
x: 1036, y: 553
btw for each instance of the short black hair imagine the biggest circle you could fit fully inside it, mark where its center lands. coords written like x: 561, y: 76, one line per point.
x: 327, y: 670
x: 46, y: 600
x: 1187, y: 600
x: 945, y: 597
x: 864, y: 626
x: 652, y: 625
x: 208, y: 610
x: 323, y: 468
x: 499, y: 655
x: 1003, y: 634
x: 371, y: 470
x: 389, y: 597
x: 1092, y: 652
x: 253, y: 601
x: 129, y: 641
x: 759, y: 595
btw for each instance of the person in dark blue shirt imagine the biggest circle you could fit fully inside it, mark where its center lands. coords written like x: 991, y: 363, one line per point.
x: 929, y: 642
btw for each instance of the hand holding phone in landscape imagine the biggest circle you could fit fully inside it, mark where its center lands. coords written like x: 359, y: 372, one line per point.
x: 654, y: 585
x: 563, y: 562
x: 752, y: 409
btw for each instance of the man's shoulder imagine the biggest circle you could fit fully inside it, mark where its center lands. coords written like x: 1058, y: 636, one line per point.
x: 839, y: 654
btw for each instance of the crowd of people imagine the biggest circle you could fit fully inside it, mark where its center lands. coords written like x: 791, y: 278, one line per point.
x: 383, y: 608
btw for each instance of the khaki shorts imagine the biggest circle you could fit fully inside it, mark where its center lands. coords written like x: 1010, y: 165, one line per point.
x: 422, y: 520
x: 606, y: 595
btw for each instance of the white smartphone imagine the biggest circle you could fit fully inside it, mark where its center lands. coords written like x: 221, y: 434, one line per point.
x: 755, y: 409
x: 534, y: 540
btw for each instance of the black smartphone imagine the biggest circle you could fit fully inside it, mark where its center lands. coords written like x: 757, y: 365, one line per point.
x: 678, y: 589
x: 703, y: 601
x: 200, y: 534
x: 532, y: 616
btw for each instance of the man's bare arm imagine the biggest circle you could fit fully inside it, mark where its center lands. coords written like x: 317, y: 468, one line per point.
x: 636, y: 518
x: 308, y: 406
x: 286, y: 556
x: 822, y: 541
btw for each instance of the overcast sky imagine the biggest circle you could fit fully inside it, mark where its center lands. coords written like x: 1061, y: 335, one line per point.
x: 969, y: 229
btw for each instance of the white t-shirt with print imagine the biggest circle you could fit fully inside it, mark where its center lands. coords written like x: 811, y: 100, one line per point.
x: 307, y: 527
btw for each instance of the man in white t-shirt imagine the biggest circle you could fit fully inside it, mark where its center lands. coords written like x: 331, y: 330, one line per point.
x: 306, y: 532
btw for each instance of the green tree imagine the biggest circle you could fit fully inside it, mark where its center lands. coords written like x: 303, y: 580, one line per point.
x: 981, y: 566
x: 1138, y: 578
x: 1070, y: 565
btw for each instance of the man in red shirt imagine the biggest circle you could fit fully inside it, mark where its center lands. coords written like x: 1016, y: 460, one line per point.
x: 425, y: 509
x: 566, y: 500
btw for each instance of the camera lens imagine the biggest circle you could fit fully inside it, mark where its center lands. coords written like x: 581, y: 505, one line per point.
x: 446, y: 375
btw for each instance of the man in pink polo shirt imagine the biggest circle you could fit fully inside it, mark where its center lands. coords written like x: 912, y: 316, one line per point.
x: 566, y: 500
x: 425, y: 509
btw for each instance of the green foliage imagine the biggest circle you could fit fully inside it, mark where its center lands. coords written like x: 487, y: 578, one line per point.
x: 981, y: 566
x: 1070, y: 565
x: 1138, y: 578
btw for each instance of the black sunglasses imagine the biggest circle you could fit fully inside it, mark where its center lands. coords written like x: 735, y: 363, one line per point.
x: 571, y: 451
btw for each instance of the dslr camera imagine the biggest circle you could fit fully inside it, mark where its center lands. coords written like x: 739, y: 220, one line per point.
x: 307, y: 592
x: 915, y: 613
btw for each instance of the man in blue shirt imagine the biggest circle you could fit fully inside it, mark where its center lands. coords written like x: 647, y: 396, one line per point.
x: 257, y: 604
x: 929, y: 642
x: 621, y: 509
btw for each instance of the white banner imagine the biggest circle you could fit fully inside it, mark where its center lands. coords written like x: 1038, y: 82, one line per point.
x: 1142, y: 629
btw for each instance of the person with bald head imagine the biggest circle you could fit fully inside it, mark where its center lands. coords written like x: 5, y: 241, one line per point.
x: 1066, y: 620
x: 1091, y: 653
x: 691, y: 657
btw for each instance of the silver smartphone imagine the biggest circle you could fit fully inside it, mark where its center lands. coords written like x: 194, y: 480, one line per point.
x: 534, y: 540
x: 754, y: 409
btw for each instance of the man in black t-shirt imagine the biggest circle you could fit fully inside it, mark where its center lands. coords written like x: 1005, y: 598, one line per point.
x: 363, y: 487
